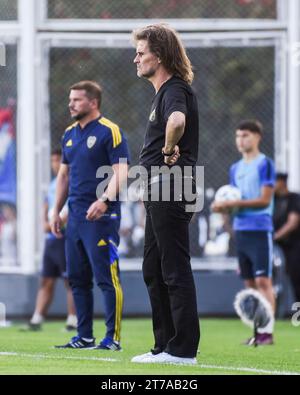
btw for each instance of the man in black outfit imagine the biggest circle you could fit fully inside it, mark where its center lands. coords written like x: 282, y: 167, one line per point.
x: 171, y: 138
x: 287, y: 229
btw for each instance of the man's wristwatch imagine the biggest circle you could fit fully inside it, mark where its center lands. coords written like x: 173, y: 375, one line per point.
x: 165, y: 154
x: 105, y: 199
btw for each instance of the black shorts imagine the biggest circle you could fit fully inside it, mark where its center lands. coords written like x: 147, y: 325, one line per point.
x: 255, y: 253
x: 54, y: 259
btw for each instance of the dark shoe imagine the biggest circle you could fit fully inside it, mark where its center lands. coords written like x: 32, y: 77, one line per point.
x: 31, y: 327
x: 264, y: 339
x: 70, y: 328
x: 261, y: 339
x: 108, y: 344
x: 77, y: 342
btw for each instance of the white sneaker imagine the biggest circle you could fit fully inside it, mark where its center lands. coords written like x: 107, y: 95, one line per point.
x: 139, y: 358
x: 166, y: 358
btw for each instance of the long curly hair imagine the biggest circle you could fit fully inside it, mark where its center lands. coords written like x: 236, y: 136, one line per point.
x: 165, y: 43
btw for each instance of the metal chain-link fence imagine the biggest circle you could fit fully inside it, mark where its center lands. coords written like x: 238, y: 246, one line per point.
x: 8, y: 89
x: 230, y: 83
x: 147, y: 9
x: 8, y: 10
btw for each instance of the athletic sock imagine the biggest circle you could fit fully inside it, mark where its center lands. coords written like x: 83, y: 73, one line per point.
x: 269, y: 328
x: 71, y: 320
x: 87, y: 340
x: 36, y: 319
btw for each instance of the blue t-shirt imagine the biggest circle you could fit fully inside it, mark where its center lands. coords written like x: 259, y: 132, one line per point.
x: 249, y: 178
x: 100, y: 143
x: 50, y: 200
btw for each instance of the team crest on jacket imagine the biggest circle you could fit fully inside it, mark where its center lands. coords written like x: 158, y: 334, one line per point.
x: 152, y: 116
x: 91, y: 141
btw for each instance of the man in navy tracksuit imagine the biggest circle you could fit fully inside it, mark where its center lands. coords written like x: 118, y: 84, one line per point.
x: 92, y: 238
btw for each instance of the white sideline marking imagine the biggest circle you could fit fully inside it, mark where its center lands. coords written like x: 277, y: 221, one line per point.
x: 203, y: 366
x: 17, y: 354
x: 250, y: 370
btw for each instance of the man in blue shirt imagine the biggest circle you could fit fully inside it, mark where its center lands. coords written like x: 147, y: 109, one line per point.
x: 254, y: 176
x: 91, y: 145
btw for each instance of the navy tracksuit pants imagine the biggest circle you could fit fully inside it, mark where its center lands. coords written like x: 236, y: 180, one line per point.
x: 91, y: 252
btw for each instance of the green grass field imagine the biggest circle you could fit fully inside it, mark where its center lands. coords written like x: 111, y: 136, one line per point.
x: 221, y: 352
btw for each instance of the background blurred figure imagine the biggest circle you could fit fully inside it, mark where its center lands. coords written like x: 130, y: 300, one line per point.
x: 8, y: 234
x: 132, y: 227
x: 254, y: 176
x: 8, y: 237
x: 287, y: 228
x: 54, y: 261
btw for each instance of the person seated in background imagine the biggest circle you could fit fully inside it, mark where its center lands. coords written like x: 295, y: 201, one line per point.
x: 286, y: 220
x: 54, y: 261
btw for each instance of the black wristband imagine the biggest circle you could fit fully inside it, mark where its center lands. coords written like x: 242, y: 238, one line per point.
x: 165, y: 154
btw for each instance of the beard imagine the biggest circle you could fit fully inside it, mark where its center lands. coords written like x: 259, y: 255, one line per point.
x: 80, y: 116
x: 150, y: 73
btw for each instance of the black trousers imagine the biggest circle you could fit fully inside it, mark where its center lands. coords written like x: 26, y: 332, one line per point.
x: 169, y: 279
x: 292, y: 254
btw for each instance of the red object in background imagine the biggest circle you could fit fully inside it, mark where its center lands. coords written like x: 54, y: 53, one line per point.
x: 6, y: 116
x: 8, y: 185
x: 247, y: 2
